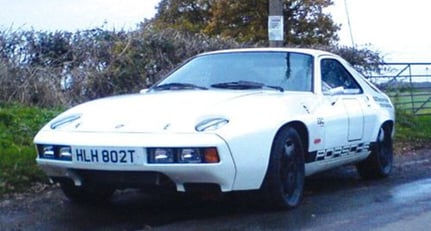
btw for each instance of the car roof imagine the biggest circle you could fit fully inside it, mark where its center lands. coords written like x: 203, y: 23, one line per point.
x: 309, y: 51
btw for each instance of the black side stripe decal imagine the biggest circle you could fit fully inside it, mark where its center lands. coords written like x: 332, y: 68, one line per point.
x: 337, y: 152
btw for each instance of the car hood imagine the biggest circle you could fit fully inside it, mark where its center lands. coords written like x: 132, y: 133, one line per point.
x: 178, y: 111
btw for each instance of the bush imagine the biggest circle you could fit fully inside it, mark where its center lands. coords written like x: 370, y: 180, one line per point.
x: 18, y: 125
x: 61, y: 68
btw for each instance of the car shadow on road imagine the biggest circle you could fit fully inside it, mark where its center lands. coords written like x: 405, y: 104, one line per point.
x: 133, y: 209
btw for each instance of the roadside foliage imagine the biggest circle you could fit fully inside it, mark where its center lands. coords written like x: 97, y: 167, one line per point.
x: 62, y: 68
x: 18, y: 125
x: 305, y: 21
x: 66, y: 68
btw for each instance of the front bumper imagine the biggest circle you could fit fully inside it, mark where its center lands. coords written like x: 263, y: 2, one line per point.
x: 222, y: 173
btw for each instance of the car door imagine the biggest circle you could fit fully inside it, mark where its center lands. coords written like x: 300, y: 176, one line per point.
x: 344, y: 114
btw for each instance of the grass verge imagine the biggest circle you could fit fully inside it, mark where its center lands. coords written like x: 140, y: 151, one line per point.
x: 18, y: 125
x: 411, y: 132
x: 412, y: 128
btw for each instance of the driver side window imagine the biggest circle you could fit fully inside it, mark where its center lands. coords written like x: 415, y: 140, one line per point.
x: 334, y: 75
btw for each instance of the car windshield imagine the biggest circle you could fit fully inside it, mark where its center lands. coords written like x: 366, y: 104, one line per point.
x: 243, y: 70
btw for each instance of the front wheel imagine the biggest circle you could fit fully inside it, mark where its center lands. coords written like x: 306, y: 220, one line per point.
x: 379, y: 162
x: 284, y: 181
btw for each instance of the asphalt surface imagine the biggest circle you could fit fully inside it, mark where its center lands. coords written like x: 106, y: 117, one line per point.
x: 334, y: 200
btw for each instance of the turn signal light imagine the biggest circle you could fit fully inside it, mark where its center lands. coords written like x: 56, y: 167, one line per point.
x: 211, y: 155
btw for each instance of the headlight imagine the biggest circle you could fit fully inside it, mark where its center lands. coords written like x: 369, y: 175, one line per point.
x: 189, y: 155
x: 183, y: 155
x: 161, y: 155
x: 47, y: 152
x: 54, y: 152
x: 64, y: 120
x: 65, y: 153
x: 211, y: 124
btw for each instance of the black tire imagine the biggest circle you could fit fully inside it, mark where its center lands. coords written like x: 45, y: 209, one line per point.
x: 379, y: 162
x: 86, y: 193
x: 284, y: 181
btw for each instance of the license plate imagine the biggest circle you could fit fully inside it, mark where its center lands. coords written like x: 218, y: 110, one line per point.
x: 108, y: 155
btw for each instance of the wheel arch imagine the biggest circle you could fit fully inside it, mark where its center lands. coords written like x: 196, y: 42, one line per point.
x: 388, y: 126
x: 378, y: 163
x: 272, y: 191
x: 302, y: 130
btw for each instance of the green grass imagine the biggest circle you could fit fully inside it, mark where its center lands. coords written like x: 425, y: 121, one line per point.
x: 18, y: 125
x: 418, y: 102
x: 412, y: 129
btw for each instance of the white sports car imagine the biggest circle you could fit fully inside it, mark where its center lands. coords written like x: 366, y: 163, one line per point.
x: 231, y: 120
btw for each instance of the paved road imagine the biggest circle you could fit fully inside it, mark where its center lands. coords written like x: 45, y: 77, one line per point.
x: 335, y: 200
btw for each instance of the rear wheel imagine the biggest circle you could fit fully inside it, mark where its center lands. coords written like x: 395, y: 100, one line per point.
x: 379, y: 162
x: 86, y: 193
x: 284, y: 180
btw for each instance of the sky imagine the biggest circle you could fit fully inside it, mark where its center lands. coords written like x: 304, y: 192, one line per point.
x: 397, y: 29
x: 72, y: 15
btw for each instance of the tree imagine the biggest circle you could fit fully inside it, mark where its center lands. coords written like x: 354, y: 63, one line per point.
x: 183, y: 15
x: 306, y: 23
x: 246, y: 20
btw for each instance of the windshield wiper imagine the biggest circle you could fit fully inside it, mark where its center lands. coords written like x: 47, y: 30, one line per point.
x: 177, y: 86
x: 243, y: 85
x: 274, y: 87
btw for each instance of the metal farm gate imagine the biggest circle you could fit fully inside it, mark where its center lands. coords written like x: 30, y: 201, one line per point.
x: 408, y: 85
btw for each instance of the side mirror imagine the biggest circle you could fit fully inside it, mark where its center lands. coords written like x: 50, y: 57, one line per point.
x: 333, y: 92
x: 336, y: 91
